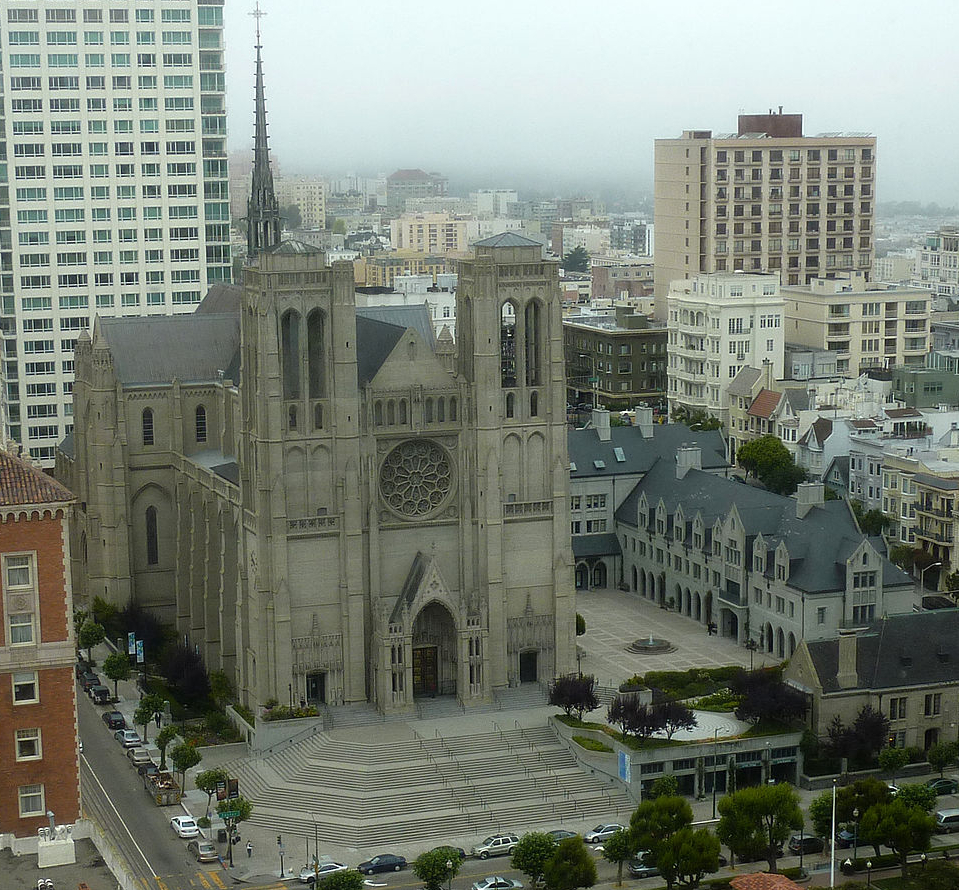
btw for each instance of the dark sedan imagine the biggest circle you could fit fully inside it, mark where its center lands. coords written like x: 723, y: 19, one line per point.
x: 114, y: 720
x: 381, y: 863
x: 943, y: 786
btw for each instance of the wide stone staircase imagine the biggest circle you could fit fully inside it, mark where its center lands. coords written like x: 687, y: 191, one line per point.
x: 413, y: 783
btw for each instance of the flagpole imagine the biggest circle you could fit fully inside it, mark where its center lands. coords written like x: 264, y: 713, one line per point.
x: 832, y: 843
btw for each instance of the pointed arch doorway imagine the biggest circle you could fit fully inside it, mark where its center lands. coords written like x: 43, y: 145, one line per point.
x: 434, y: 652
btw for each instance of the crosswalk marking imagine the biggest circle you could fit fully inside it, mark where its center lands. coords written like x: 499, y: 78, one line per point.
x: 202, y: 876
x: 213, y: 876
x: 160, y: 884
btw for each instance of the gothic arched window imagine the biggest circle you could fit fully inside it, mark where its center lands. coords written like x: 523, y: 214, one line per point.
x: 146, y: 422
x: 534, y: 342
x: 290, y: 354
x: 200, y: 424
x: 316, y: 353
x: 153, y: 544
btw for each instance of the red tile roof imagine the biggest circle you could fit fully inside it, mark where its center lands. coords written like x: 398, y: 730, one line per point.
x: 763, y: 881
x: 22, y: 484
x: 765, y: 403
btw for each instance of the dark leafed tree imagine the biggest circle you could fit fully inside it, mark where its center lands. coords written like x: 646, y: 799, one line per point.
x: 577, y: 260
x: 676, y: 715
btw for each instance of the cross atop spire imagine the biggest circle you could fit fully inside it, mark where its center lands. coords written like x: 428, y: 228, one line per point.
x: 263, y: 212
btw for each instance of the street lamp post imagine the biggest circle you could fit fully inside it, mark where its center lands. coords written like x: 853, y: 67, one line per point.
x: 868, y: 874
x: 715, y: 746
x: 449, y: 874
x: 855, y: 837
x: 922, y: 577
x: 281, y: 849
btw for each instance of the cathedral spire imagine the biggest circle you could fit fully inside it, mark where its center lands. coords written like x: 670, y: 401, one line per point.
x: 263, y: 212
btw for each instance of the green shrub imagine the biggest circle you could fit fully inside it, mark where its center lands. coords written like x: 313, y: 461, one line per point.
x: 916, y: 755
x: 245, y: 713
x: 592, y: 744
x: 203, y: 822
x: 580, y: 625
x: 693, y: 682
x: 724, y: 700
x: 271, y: 703
x: 282, y: 712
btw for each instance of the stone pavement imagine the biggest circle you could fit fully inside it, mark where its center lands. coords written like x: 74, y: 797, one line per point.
x: 614, y: 618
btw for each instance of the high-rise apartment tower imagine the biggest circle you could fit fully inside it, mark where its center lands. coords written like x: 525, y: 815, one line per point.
x: 763, y: 199
x: 114, y: 196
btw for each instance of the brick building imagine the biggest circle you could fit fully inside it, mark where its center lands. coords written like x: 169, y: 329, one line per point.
x: 38, y: 739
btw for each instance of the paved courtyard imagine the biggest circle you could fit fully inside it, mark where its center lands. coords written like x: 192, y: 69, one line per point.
x: 615, y: 618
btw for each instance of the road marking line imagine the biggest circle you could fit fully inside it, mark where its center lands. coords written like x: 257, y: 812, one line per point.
x: 203, y: 880
x: 120, y: 820
x: 213, y: 876
x: 160, y: 883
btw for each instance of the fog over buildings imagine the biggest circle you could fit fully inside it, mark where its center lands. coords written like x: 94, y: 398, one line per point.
x: 554, y: 95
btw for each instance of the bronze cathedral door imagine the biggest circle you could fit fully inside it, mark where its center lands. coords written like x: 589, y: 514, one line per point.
x: 425, y: 670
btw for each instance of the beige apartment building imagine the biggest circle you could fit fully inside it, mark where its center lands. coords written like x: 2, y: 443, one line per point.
x: 309, y: 194
x: 867, y: 326
x: 765, y: 198
x: 436, y: 233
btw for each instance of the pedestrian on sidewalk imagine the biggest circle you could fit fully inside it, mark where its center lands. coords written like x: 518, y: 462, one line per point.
x: 249, y: 849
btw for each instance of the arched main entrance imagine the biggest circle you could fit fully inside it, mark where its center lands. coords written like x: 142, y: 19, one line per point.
x: 434, y: 652
x: 599, y: 574
x: 582, y: 576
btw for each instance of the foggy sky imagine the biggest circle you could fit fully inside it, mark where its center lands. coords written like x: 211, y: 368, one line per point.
x: 513, y: 93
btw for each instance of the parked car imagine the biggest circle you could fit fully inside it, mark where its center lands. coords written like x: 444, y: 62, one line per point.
x: 81, y: 667
x: 382, y: 862
x: 947, y: 820
x: 127, y: 737
x: 496, y: 845
x: 495, y: 882
x: 139, y: 756
x: 638, y: 868
x: 845, y: 837
x: 147, y: 769
x: 185, y: 826
x: 943, y: 786
x: 602, y: 832
x: 99, y: 695
x: 203, y: 851
x: 560, y: 834
x: 114, y: 720
x: 806, y: 844
x: 893, y: 789
x: 88, y: 679
x: 309, y: 873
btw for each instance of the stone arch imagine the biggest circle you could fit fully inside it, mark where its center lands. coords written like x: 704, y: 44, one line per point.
x: 452, y: 408
x: 507, y: 344
x: 441, y: 410
x: 768, y: 637
x: 199, y: 424
x: 146, y: 426
x: 428, y: 410
x: 792, y: 644
x: 582, y: 576
x: 377, y: 413
x: 295, y: 483
x: 316, y: 352
x: 635, y: 579
x: 390, y: 413
x: 535, y: 466
x: 154, y: 532
x: 599, y: 577
x: 780, y: 643
x: 512, y: 470
x: 435, y: 650
x: 533, y: 325
x: 698, y: 607
x: 290, y: 353
x: 403, y: 415
x: 317, y: 416
x: 510, y: 404
x: 534, y: 404
x: 687, y: 602
x: 651, y: 586
x: 321, y: 479
x: 678, y: 598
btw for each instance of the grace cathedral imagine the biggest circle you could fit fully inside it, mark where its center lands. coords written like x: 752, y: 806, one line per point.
x: 329, y: 502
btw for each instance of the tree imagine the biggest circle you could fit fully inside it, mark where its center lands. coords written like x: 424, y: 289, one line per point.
x: 570, y: 866
x: 676, y: 715
x: 580, y: 625
x: 820, y: 814
x: 532, y: 852
x: 950, y: 583
x: 900, y: 827
x: 339, y: 226
x: 941, y: 755
x: 770, y: 462
x: 116, y: 667
x: 431, y: 868
x: 350, y: 879
x: 861, y: 741
x: 940, y: 875
x: 759, y: 818
x: 183, y: 757
x: 891, y: 760
x: 766, y: 697
x: 574, y: 692
x: 163, y: 739
x: 918, y: 795
x: 654, y: 821
x: 243, y: 810
x: 291, y: 216
x: 664, y: 786
x: 221, y: 689
x: 150, y: 705
x: 207, y: 781
x: 872, y: 522
x: 619, y: 849
x: 903, y: 556
x: 687, y: 857
x: 577, y: 260
x: 635, y: 718
x: 91, y: 634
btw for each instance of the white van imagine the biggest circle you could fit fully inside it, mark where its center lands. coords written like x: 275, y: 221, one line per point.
x: 947, y: 820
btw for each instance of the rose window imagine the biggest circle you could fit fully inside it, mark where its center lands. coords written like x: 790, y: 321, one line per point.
x: 416, y: 478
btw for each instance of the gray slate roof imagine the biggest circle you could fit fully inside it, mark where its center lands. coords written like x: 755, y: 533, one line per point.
x: 914, y: 649
x: 596, y: 545
x: 743, y: 382
x: 189, y: 348
x: 798, y: 399
x: 818, y: 544
x: 415, y: 316
x: 219, y: 299
x: 292, y: 247
x: 585, y: 448
x: 375, y: 340
x: 507, y: 239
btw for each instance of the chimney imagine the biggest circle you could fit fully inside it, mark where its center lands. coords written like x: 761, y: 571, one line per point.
x: 601, y: 424
x: 847, y: 675
x: 808, y: 495
x: 644, y: 420
x: 688, y: 457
